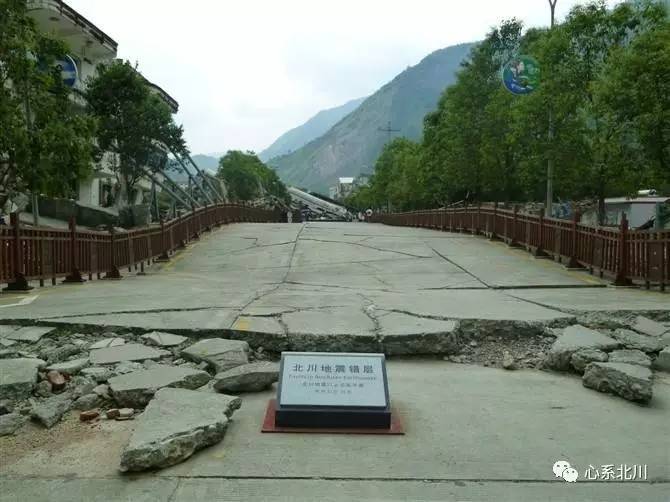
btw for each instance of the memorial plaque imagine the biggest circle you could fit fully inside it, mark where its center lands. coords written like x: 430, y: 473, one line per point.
x: 325, y: 389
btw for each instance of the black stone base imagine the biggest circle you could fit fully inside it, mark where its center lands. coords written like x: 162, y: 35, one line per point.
x: 355, y: 418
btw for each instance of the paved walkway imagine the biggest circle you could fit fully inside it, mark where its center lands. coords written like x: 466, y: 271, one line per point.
x: 472, y: 433
x: 333, y: 278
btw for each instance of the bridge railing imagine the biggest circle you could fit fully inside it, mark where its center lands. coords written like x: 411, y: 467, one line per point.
x: 41, y: 254
x: 621, y: 253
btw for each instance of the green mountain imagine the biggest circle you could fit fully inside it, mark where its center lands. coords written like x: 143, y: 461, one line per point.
x: 312, y: 129
x: 206, y: 162
x: 352, y: 145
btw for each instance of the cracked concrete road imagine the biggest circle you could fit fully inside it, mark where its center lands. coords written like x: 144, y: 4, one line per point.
x: 332, y: 279
x: 472, y: 433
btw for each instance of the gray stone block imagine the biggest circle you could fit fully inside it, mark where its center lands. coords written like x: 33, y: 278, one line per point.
x: 573, y: 339
x: 136, y: 389
x: 126, y: 352
x: 219, y: 353
x: 630, y: 381
x: 18, y: 377
x: 252, y: 377
x: 175, y: 424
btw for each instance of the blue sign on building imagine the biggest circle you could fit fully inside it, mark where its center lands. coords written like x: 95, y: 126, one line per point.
x: 68, y: 70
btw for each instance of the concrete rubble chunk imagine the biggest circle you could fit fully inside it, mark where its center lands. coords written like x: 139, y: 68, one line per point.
x: 6, y: 329
x: 252, y: 377
x: 648, y: 327
x: 161, y: 339
x: 136, y: 389
x: 126, y: 352
x: 175, y: 424
x: 127, y: 367
x: 508, y: 361
x: 106, y: 343
x: 29, y: 334
x: 6, y: 343
x: 630, y: 356
x: 18, y: 377
x: 662, y: 362
x: 125, y: 414
x: 9, y: 354
x: 43, y: 389
x: 98, y: 373
x: 573, y: 339
x: 70, y: 367
x: 11, y: 422
x: 50, y: 411
x: 58, y: 354
x: 632, y: 340
x: 630, y: 381
x: 87, y: 402
x: 80, y: 385
x: 6, y: 407
x: 221, y: 354
x: 582, y: 358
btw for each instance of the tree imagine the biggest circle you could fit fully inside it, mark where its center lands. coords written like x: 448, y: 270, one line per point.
x: 133, y: 123
x: 45, y: 139
x: 247, y: 177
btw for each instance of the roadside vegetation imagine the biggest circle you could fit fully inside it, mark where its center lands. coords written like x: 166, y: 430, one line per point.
x: 248, y: 178
x: 605, y: 90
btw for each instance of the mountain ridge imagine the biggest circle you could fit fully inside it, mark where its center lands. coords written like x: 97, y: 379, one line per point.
x: 353, y: 144
x: 314, y: 127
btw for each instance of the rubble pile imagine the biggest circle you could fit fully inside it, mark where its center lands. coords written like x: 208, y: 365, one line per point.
x: 165, y: 382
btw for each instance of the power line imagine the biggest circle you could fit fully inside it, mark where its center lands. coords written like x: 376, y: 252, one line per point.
x: 388, y: 129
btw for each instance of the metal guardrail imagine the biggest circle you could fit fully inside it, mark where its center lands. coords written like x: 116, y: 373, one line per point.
x: 623, y: 254
x: 38, y: 253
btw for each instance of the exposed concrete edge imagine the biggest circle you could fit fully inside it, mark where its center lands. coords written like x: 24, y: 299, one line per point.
x: 432, y: 343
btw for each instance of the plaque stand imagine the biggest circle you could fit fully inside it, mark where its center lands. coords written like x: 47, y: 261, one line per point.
x: 270, y: 426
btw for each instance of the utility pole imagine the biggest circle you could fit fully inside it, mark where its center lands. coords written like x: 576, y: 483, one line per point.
x: 550, y: 137
x: 389, y: 130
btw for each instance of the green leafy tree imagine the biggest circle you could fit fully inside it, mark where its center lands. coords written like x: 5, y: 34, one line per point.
x: 45, y: 139
x: 247, y: 177
x: 134, y: 123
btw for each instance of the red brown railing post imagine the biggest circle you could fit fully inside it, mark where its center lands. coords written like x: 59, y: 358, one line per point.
x: 573, y: 262
x: 75, y: 274
x: 20, y: 283
x: 164, y: 254
x: 539, y: 250
x: 512, y: 240
x: 113, y: 271
x: 492, y: 231
x: 621, y: 278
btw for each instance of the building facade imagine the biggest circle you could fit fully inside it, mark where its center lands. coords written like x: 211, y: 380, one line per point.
x: 89, y: 47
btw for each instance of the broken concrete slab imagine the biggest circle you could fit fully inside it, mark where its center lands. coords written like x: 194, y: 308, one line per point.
x: 582, y: 358
x: 175, y: 424
x: 321, y: 342
x: 632, y: 340
x: 107, y: 342
x: 136, y: 389
x: 29, y: 334
x: 70, y: 367
x: 662, y: 362
x: 98, y: 373
x: 406, y: 334
x: 18, y: 377
x: 630, y: 381
x: 11, y: 422
x: 649, y: 327
x: 126, y: 352
x: 572, y: 339
x: 219, y: 353
x: 87, y: 402
x: 253, y: 377
x: 264, y: 332
x: 6, y: 343
x: 630, y: 356
x: 50, y: 411
x: 328, y: 321
x: 9, y: 354
x: 58, y: 354
x: 161, y: 339
x: 5, y: 329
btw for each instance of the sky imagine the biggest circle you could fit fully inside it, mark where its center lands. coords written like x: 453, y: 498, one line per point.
x: 246, y: 71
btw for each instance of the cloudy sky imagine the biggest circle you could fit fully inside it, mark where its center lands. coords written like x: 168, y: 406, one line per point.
x: 245, y: 71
